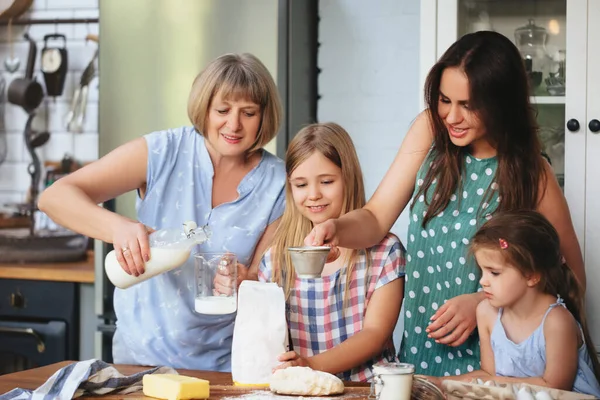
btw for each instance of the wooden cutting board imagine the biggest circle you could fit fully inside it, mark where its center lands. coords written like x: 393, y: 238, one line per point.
x: 221, y: 385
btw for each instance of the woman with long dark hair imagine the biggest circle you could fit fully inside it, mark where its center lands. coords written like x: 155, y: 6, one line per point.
x: 474, y: 151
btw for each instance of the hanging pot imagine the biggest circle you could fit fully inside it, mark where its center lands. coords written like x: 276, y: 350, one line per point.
x: 27, y: 92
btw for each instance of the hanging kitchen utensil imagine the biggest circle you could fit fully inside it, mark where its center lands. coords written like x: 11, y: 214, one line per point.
x: 76, y: 114
x: 37, y: 139
x: 33, y: 140
x: 27, y: 92
x: 11, y: 63
x: 54, y: 65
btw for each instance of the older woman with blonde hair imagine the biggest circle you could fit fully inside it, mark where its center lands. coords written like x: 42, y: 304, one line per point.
x: 214, y: 172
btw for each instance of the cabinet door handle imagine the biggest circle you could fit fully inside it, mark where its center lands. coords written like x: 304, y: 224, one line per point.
x: 573, y: 125
x: 41, y: 346
x: 594, y: 126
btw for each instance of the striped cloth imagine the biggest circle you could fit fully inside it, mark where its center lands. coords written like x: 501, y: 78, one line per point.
x: 84, y: 378
x: 315, y: 309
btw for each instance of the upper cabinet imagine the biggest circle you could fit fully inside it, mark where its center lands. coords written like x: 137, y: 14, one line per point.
x: 560, y: 44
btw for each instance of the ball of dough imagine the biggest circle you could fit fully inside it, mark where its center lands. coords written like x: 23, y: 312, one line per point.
x: 305, y: 381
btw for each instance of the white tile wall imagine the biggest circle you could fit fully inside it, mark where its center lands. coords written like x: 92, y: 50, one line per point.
x: 14, y: 179
x: 369, y: 60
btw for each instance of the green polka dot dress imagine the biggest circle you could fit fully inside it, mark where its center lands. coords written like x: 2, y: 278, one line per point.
x: 438, y: 267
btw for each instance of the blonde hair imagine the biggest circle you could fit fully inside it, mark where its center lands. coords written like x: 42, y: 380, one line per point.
x: 335, y: 144
x: 237, y: 76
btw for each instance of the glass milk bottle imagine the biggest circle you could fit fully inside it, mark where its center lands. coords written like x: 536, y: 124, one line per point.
x: 216, y: 283
x: 169, y: 249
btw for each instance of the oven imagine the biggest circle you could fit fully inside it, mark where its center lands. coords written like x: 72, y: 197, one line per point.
x: 39, y: 323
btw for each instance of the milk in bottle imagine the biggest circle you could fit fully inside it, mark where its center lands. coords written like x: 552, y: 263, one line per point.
x: 169, y: 249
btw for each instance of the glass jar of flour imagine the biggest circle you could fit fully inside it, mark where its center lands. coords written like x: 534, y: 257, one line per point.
x: 216, y: 283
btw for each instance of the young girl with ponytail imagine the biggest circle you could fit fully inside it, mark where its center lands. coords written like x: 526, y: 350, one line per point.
x: 532, y: 324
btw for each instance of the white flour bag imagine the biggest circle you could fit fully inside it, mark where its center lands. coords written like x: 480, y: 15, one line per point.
x: 260, y: 334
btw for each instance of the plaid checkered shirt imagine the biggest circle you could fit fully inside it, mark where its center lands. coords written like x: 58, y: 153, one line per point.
x: 316, y: 315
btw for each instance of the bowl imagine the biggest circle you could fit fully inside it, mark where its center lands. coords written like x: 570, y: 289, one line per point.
x: 309, y: 261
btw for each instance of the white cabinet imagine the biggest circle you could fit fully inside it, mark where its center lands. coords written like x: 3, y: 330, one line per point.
x: 566, y: 92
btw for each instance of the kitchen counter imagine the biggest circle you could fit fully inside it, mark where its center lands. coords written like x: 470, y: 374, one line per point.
x: 77, y: 271
x: 221, y: 386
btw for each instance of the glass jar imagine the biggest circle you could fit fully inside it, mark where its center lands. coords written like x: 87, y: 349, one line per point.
x: 392, y: 381
x: 216, y: 283
x: 555, y: 83
x: 531, y: 41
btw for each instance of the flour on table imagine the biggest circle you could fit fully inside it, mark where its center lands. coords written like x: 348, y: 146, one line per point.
x: 305, y: 381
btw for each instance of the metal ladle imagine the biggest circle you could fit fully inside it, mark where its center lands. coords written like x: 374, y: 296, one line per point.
x: 11, y: 63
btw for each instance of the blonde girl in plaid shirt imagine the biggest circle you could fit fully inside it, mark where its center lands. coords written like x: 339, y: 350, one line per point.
x: 342, y: 322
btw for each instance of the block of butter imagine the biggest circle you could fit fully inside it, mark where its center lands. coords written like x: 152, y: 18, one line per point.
x: 175, y: 387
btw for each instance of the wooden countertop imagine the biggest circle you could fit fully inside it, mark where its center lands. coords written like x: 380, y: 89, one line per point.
x: 77, y: 271
x: 221, y: 386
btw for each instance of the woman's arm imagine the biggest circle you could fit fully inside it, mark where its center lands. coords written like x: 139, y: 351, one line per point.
x: 553, y: 206
x: 365, y: 227
x: 453, y: 322
x: 380, y: 319
x: 73, y: 200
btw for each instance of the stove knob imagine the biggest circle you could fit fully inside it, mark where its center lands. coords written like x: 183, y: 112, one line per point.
x: 17, y: 300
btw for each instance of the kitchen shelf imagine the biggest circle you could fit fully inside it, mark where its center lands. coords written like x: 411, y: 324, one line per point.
x: 547, y: 99
x: 76, y: 271
x: 51, y: 21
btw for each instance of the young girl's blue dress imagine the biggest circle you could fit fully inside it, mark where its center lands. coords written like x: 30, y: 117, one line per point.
x: 528, y: 358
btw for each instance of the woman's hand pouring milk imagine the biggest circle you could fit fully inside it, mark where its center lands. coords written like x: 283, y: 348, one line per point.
x: 132, y: 247
x: 139, y: 256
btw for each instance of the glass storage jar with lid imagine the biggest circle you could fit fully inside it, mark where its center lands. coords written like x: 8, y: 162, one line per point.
x: 531, y: 41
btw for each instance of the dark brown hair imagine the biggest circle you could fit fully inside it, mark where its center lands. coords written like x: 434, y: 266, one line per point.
x: 499, y: 96
x: 533, y: 247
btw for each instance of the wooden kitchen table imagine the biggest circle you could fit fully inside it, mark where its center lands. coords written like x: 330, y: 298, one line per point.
x: 221, y: 385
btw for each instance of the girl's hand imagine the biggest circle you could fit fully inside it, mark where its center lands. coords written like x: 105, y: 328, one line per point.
x: 291, y: 359
x: 455, y: 320
x: 132, y: 248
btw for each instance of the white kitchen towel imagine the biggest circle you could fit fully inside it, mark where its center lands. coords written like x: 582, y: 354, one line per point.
x: 85, y: 377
